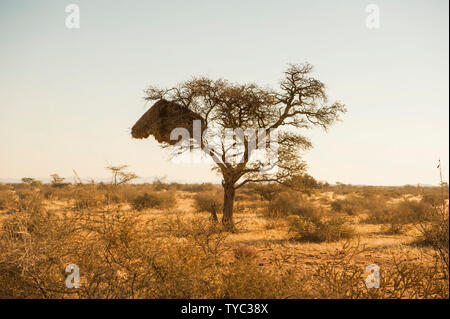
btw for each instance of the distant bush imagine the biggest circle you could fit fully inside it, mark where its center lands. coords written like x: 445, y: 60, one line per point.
x: 316, y: 229
x: 435, y: 233
x: 393, y: 226
x: 87, y: 196
x: 159, y: 185
x: 306, y: 209
x: 57, y: 193
x: 378, y: 215
x: 283, y: 204
x: 413, y: 211
x: 31, y: 182
x: 241, y: 197
x: 267, y: 192
x: 162, y: 200
x: 195, y: 188
x: 350, y: 207
x: 29, y: 200
x: 7, y: 200
x: 210, y: 201
x: 398, y: 217
x: 432, y: 199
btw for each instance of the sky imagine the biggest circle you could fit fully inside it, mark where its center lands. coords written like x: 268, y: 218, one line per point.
x: 68, y: 97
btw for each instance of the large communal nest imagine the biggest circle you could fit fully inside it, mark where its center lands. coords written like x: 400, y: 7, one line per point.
x: 162, y: 118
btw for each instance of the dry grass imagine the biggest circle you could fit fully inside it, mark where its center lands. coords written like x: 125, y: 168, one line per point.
x: 179, y: 252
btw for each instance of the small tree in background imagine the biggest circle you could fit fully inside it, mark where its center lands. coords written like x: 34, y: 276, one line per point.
x: 58, y: 181
x: 120, y: 175
x: 31, y: 181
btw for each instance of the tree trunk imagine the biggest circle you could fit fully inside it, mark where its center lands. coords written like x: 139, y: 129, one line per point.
x: 228, y: 203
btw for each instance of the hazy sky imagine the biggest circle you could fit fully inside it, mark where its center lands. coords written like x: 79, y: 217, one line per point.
x: 68, y: 97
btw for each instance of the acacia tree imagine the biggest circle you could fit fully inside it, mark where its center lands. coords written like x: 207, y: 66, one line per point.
x: 120, y: 175
x: 299, y: 103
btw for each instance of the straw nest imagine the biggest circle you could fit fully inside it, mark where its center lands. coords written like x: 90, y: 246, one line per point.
x: 162, y: 118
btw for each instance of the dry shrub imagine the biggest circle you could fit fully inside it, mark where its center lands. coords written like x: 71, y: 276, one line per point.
x: 435, y: 233
x: 87, y: 196
x: 283, y: 204
x: 245, y: 253
x: 393, y: 226
x: 307, y: 209
x: 244, y: 196
x: 33, y: 247
x: 120, y: 257
x: 195, y: 188
x: 413, y: 211
x: 266, y: 192
x: 64, y: 192
x: 210, y: 201
x: 316, y: 229
x: 398, y: 217
x: 355, y: 204
x: 341, y: 278
x: 203, y: 233
x: 161, y: 200
x: 128, y: 192
x: 433, y: 199
x: 124, y: 256
x: 7, y: 199
x: 350, y: 207
x: 246, y: 280
x: 29, y: 200
x: 272, y: 223
x: 378, y: 215
x: 338, y: 277
x: 208, y: 235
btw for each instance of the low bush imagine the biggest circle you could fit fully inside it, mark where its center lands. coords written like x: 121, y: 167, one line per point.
x: 350, y: 207
x: 161, y: 200
x: 7, y: 200
x: 306, y: 209
x: 316, y: 229
x: 29, y: 200
x: 435, y: 233
x: 266, y: 192
x: 120, y: 258
x: 396, y: 218
x: 210, y: 201
x: 196, y: 188
x: 283, y: 204
x: 87, y: 196
x: 407, y: 278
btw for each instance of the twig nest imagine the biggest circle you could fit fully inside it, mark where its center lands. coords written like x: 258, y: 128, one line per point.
x: 162, y: 118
